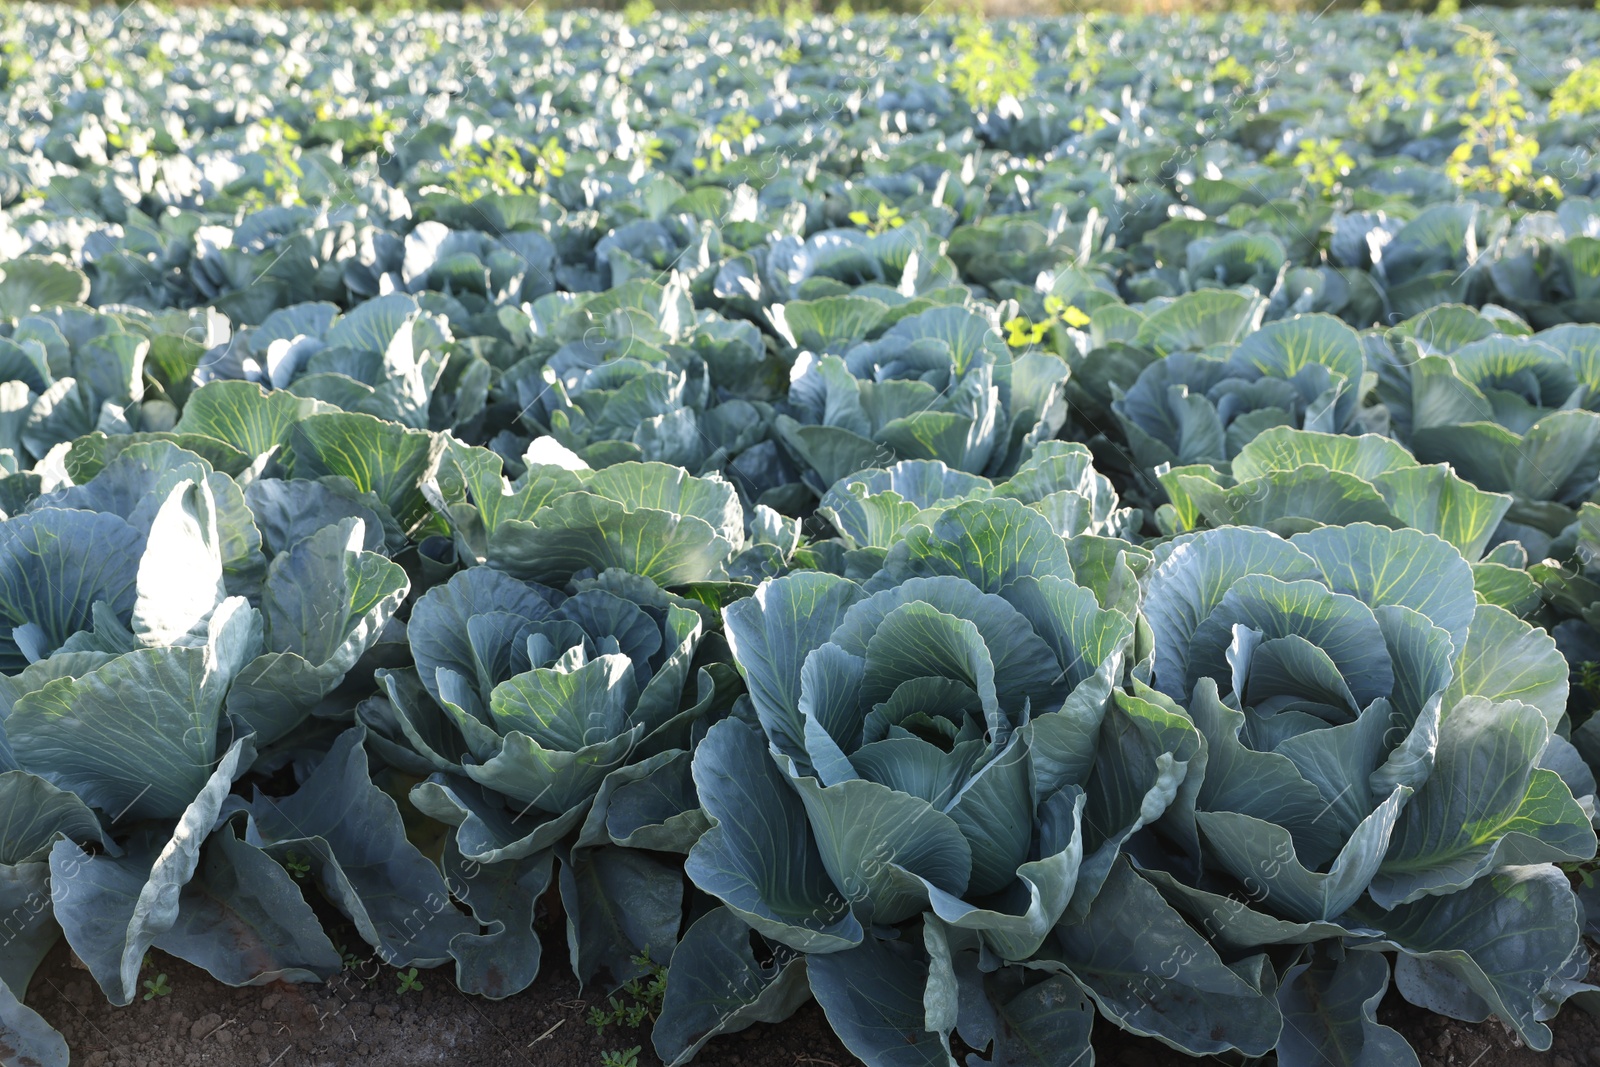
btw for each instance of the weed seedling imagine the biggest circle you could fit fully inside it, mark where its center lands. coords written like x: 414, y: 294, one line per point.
x: 1495, y: 153
x: 297, y: 865
x: 1071, y: 314
x: 638, y: 12
x: 888, y: 219
x: 1324, y: 162
x: 1022, y: 332
x: 729, y: 139
x: 986, y: 69
x: 639, y: 1002
x: 1587, y: 872
x: 1579, y: 94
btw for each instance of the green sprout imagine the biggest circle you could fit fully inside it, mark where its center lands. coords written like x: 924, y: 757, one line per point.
x: 728, y: 139
x: 1086, y: 54
x: 1585, y: 871
x: 638, y: 12
x: 409, y: 981
x: 1409, y: 82
x: 156, y: 987
x: 1589, y: 679
x: 1092, y: 121
x: 1229, y: 69
x: 1579, y: 94
x: 375, y: 127
x: 15, y: 63
x: 1022, y: 332
x: 640, y: 1001
x: 987, y: 70
x: 795, y: 13
x: 888, y: 218
x: 1324, y: 162
x: 497, y: 166
x: 1070, y: 314
x: 549, y: 161
x: 1494, y: 154
x: 281, y: 177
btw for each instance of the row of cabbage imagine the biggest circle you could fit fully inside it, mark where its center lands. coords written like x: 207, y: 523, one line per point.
x: 976, y: 765
x: 836, y: 541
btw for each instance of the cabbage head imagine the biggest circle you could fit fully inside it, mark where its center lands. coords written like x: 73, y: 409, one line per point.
x: 935, y: 779
x: 1385, y: 770
x: 555, y: 726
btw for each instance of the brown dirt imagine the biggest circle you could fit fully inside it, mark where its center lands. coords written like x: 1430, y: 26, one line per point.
x: 1442, y: 1042
x: 353, y: 1019
x: 361, y: 1017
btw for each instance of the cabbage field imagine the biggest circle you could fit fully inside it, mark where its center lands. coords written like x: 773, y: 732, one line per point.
x: 987, y: 526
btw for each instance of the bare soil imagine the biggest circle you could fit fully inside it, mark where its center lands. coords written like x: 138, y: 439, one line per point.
x: 362, y: 1017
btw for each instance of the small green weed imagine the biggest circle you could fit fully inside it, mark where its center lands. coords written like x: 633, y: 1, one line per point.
x: 638, y: 12
x: 1408, y: 85
x: 1324, y: 162
x: 297, y: 865
x: 987, y: 69
x: 730, y: 138
x: 1229, y: 69
x: 1495, y: 154
x: 888, y: 218
x: 1021, y: 331
x: 497, y: 166
x: 1587, y: 872
x: 1589, y: 679
x: 639, y: 1003
x: 1579, y: 94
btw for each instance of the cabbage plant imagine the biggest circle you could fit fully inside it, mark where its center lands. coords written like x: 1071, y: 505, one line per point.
x: 635, y: 373
x: 1287, y: 480
x: 1422, y: 262
x: 939, y: 773
x: 169, y: 637
x: 386, y: 357
x: 410, y: 428
x: 1058, y: 480
x: 1549, y: 272
x: 1569, y: 585
x: 1204, y: 406
x: 560, y: 519
x: 65, y: 372
x: 1385, y: 771
x: 140, y: 701
x: 1512, y: 414
x: 554, y: 726
x: 940, y: 385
